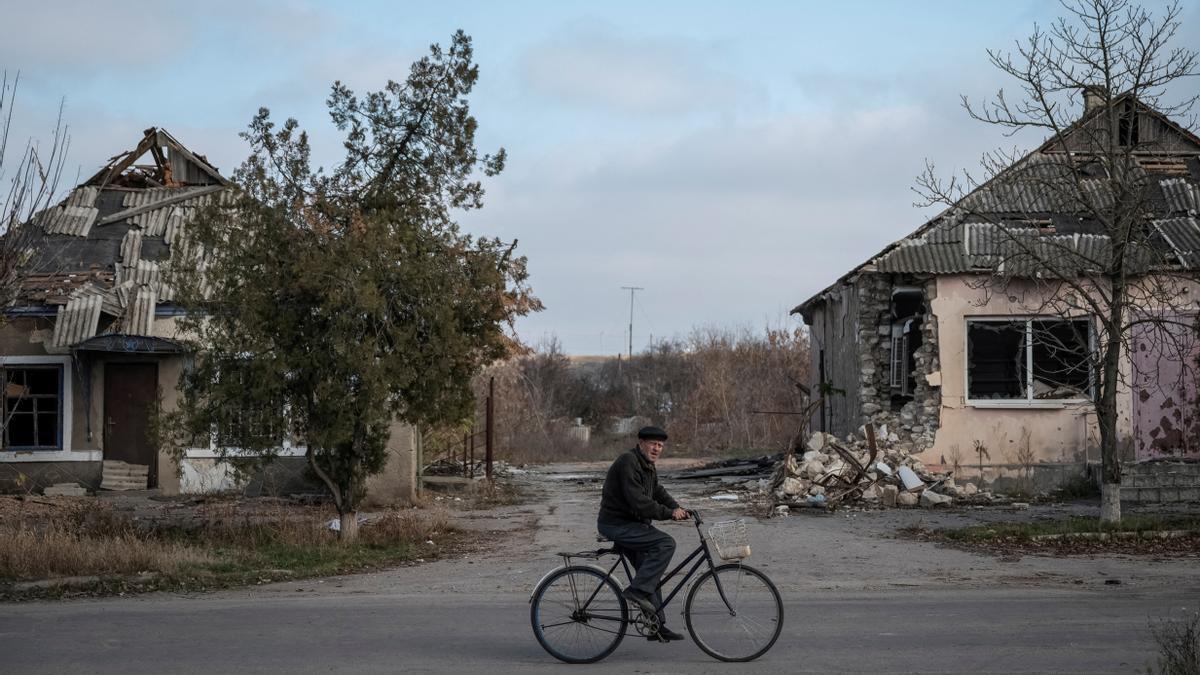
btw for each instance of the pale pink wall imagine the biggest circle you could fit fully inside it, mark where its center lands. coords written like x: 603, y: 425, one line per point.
x: 1055, y: 431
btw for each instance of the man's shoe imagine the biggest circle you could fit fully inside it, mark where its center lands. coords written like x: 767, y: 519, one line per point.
x: 642, y: 601
x: 665, y: 635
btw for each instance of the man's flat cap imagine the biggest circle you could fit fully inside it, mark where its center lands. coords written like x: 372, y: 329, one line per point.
x: 652, y: 434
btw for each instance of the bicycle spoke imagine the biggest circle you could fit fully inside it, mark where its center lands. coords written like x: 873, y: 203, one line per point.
x: 743, y: 633
x: 577, y: 615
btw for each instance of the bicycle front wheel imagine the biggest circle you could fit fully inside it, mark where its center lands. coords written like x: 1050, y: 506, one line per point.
x: 578, y: 615
x: 734, y: 613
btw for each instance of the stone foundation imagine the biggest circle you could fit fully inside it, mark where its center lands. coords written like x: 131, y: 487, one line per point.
x: 33, y: 477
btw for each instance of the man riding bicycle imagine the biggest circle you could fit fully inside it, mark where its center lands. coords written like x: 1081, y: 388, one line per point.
x: 631, y: 499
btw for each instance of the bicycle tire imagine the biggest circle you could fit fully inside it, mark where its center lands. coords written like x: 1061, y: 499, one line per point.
x: 752, y: 595
x: 584, y: 580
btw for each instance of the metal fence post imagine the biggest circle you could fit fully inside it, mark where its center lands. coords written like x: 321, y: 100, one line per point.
x: 491, y: 427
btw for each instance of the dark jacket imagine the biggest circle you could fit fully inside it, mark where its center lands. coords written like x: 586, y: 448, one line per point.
x: 632, y: 493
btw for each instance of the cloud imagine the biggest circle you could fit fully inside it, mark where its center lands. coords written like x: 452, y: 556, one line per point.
x: 594, y: 65
x: 88, y: 38
x: 723, y: 224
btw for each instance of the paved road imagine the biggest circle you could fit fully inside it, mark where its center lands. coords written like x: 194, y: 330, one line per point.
x: 856, y: 600
x: 921, y: 631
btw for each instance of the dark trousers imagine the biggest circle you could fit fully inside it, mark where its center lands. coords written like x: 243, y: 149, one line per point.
x: 648, y: 548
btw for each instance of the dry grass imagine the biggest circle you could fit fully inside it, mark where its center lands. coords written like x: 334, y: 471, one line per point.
x: 27, y: 553
x: 219, y: 543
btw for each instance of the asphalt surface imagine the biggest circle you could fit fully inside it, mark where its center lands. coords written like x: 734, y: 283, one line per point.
x: 856, y: 600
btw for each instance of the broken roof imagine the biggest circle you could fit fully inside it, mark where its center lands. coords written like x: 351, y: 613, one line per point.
x: 101, y: 251
x: 1026, y: 205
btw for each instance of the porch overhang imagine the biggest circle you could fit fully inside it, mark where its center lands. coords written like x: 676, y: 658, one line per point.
x: 130, y: 344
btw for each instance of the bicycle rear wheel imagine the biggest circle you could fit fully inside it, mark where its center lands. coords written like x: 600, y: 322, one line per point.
x: 743, y: 628
x: 578, y: 615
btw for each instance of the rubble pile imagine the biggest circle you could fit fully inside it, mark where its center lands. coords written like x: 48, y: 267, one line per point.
x: 859, y: 470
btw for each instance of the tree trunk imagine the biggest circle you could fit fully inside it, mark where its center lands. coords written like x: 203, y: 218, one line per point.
x: 1106, y: 410
x: 1110, y: 502
x: 348, y: 522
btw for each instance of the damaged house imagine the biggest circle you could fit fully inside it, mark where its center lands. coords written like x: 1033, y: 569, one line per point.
x: 91, y: 351
x: 915, y: 338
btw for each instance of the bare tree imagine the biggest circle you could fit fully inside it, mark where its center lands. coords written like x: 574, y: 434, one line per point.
x: 28, y: 183
x: 1079, y: 229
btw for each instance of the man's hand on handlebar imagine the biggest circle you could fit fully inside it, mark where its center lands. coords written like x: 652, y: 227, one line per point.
x: 679, y: 514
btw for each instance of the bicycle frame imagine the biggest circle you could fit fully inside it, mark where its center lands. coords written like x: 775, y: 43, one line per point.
x: 702, y: 551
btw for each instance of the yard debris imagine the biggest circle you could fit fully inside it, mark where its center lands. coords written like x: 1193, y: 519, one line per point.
x: 741, y: 466
x: 65, y: 490
x: 861, y: 469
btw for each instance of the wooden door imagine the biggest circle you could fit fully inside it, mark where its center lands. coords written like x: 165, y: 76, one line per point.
x: 130, y: 396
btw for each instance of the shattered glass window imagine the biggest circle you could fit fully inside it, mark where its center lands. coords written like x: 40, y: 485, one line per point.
x: 996, y: 359
x: 32, y: 405
x: 1029, y: 359
x: 1061, y: 363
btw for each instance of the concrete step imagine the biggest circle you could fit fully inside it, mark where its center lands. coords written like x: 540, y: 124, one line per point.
x: 117, y: 464
x: 123, y: 484
x: 125, y: 473
x: 117, y: 469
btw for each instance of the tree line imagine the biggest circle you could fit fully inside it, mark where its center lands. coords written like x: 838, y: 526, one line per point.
x: 719, y: 390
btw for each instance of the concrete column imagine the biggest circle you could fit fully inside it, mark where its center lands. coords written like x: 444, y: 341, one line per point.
x: 397, y: 483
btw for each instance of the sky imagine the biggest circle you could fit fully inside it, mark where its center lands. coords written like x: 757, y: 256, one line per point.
x: 731, y: 159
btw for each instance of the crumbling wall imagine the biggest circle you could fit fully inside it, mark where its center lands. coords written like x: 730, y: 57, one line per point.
x: 913, y: 423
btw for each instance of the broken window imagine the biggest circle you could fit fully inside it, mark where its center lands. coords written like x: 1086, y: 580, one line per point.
x: 1061, y: 358
x: 906, y: 340
x: 908, y: 306
x: 32, y: 405
x: 1028, y: 359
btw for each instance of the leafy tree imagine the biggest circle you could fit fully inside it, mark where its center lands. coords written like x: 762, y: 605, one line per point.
x: 326, y: 305
x: 1097, y: 174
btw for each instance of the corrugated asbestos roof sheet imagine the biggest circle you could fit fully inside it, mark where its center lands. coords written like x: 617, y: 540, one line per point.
x: 1181, y: 196
x: 103, y: 250
x: 77, y: 320
x: 139, y: 317
x: 1023, y: 224
x: 1184, y: 236
x: 74, y: 216
x: 925, y: 257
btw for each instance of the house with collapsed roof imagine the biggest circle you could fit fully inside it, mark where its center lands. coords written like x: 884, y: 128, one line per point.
x: 914, y: 338
x: 91, y: 350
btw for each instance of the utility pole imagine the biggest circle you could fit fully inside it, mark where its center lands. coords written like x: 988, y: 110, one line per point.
x: 632, y: 290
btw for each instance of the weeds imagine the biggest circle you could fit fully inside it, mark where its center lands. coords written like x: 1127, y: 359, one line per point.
x: 219, y: 544
x: 1025, y: 531
x: 27, y: 553
x: 1178, y: 645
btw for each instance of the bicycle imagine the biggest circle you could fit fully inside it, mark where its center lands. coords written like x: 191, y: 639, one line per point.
x: 733, y: 612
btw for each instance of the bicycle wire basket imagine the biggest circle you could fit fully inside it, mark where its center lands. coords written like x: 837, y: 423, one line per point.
x: 729, y: 536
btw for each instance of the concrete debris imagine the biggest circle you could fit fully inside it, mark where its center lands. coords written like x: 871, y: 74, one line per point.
x: 929, y: 499
x: 871, y: 469
x: 65, y: 490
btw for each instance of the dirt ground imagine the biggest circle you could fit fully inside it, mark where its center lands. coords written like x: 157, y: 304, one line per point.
x: 850, y: 550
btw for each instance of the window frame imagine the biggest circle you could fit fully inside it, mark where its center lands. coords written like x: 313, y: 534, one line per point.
x: 65, y: 450
x: 1029, y: 401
